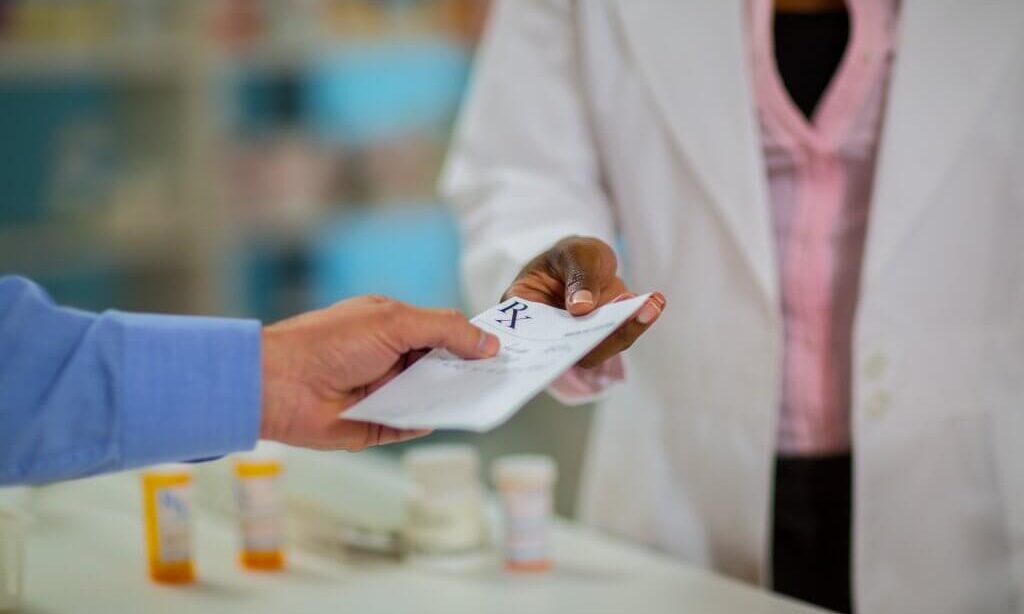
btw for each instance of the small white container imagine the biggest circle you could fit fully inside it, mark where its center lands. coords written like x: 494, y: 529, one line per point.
x: 13, y: 535
x: 525, y: 484
x: 446, y: 503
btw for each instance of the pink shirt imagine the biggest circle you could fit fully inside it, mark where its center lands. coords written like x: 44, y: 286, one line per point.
x: 820, y: 176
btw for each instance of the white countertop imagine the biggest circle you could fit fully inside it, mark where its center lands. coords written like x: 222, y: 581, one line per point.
x: 86, y: 554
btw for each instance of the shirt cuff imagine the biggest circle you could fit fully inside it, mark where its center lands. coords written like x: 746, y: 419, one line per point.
x: 578, y: 385
x: 192, y: 387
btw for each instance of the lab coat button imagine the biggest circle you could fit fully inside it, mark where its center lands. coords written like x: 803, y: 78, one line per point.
x: 877, y: 406
x: 875, y: 366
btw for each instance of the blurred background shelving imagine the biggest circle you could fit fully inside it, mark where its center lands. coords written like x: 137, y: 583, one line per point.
x: 252, y: 158
x: 206, y: 144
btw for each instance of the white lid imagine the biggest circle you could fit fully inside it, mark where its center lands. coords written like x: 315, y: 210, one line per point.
x: 443, y: 465
x: 171, y: 469
x: 265, y: 451
x: 531, y: 469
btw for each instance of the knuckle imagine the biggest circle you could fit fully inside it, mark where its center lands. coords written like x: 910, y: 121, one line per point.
x: 539, y: 262
x: 576, y: 249
x: 449, y: 320
x: 575, y: 242
x: 597, y: 249
x: 453, y: 315
x: 566, y: 248
x: 392, y: 315
x: 393, y: 309
x: 555, y: 259
x: 625, y: 338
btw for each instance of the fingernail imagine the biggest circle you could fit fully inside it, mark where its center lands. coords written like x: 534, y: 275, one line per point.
x: 625, y: 296
x: 648, y: 313
x: 488, y: 344
x: 581, y: 297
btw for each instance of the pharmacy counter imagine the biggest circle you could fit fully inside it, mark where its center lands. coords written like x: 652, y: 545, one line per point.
x: 86, y: 554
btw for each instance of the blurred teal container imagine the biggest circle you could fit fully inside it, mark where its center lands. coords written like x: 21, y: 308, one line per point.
x: 362, y: 93
x: 33, y: 115
x: 408, y: 253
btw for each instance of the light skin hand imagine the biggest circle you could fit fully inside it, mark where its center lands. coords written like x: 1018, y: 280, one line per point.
x: 320, y: 363
x: 579, y: 274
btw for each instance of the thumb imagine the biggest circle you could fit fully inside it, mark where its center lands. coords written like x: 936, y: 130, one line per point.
x: 584, y: 266
x: 443, y: 328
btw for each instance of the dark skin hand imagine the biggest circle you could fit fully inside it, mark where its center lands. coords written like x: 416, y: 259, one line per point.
x: 579, y: 274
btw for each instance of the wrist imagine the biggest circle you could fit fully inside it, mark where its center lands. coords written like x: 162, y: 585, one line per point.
x: 271, y: 367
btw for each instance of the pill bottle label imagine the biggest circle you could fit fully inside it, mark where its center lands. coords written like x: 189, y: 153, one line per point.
x: 261, y: 513
x: 174, y: 537
x: 167, y: 499
x: 526, y: 514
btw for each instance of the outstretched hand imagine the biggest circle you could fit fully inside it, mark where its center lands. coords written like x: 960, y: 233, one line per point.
x: 579, y: 274
x: 320, y: 363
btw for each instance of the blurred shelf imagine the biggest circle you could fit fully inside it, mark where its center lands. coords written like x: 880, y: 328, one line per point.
x: 166, y: 59
x: 31, y: 248
x: 181, y: 74
x: 150, y: 61
x: 41, y: 60
x: 277, y: 56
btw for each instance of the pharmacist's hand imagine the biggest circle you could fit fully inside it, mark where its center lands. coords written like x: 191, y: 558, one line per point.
x: 317, y: 364
x: 579, y: 274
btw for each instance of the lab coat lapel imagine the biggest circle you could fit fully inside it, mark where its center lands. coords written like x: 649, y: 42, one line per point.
x: 693, y: 54
x: 950, y: 54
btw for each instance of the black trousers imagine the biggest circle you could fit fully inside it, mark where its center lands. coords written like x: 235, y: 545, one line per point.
x: 811, y: 535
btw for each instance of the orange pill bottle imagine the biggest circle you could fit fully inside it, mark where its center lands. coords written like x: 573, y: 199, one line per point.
x: 167, y: 506
x: 259, y: 497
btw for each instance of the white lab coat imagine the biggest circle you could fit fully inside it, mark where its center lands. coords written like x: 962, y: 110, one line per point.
x: 636, y: 118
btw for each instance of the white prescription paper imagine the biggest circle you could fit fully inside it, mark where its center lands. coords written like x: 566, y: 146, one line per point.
x: 538, y: 344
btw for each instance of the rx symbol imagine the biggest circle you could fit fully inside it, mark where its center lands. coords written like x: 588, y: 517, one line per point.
x: 513, y: 313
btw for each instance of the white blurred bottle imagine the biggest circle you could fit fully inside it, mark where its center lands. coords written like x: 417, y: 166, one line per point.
x: 446, y: 503
x: 525, y: 484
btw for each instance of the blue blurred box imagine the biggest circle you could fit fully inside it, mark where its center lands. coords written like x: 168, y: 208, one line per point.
x: 363, y: 93
x: 33, y: 112
x: 408, y: 253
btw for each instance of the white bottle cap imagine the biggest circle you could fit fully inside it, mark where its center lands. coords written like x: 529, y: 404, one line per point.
x: 171, y: 469
x: 264, y: 452
x: 524, y: 470
x: 443, y: 465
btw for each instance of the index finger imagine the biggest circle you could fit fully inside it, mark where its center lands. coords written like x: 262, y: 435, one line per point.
x: 627, y: 334
x: 417, y: 328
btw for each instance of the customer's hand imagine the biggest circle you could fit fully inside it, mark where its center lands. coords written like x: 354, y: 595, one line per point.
x: 579, y: 274
x: 317, y: 364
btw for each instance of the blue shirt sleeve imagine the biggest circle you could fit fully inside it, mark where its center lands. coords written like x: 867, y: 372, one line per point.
x: 82, y: 393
